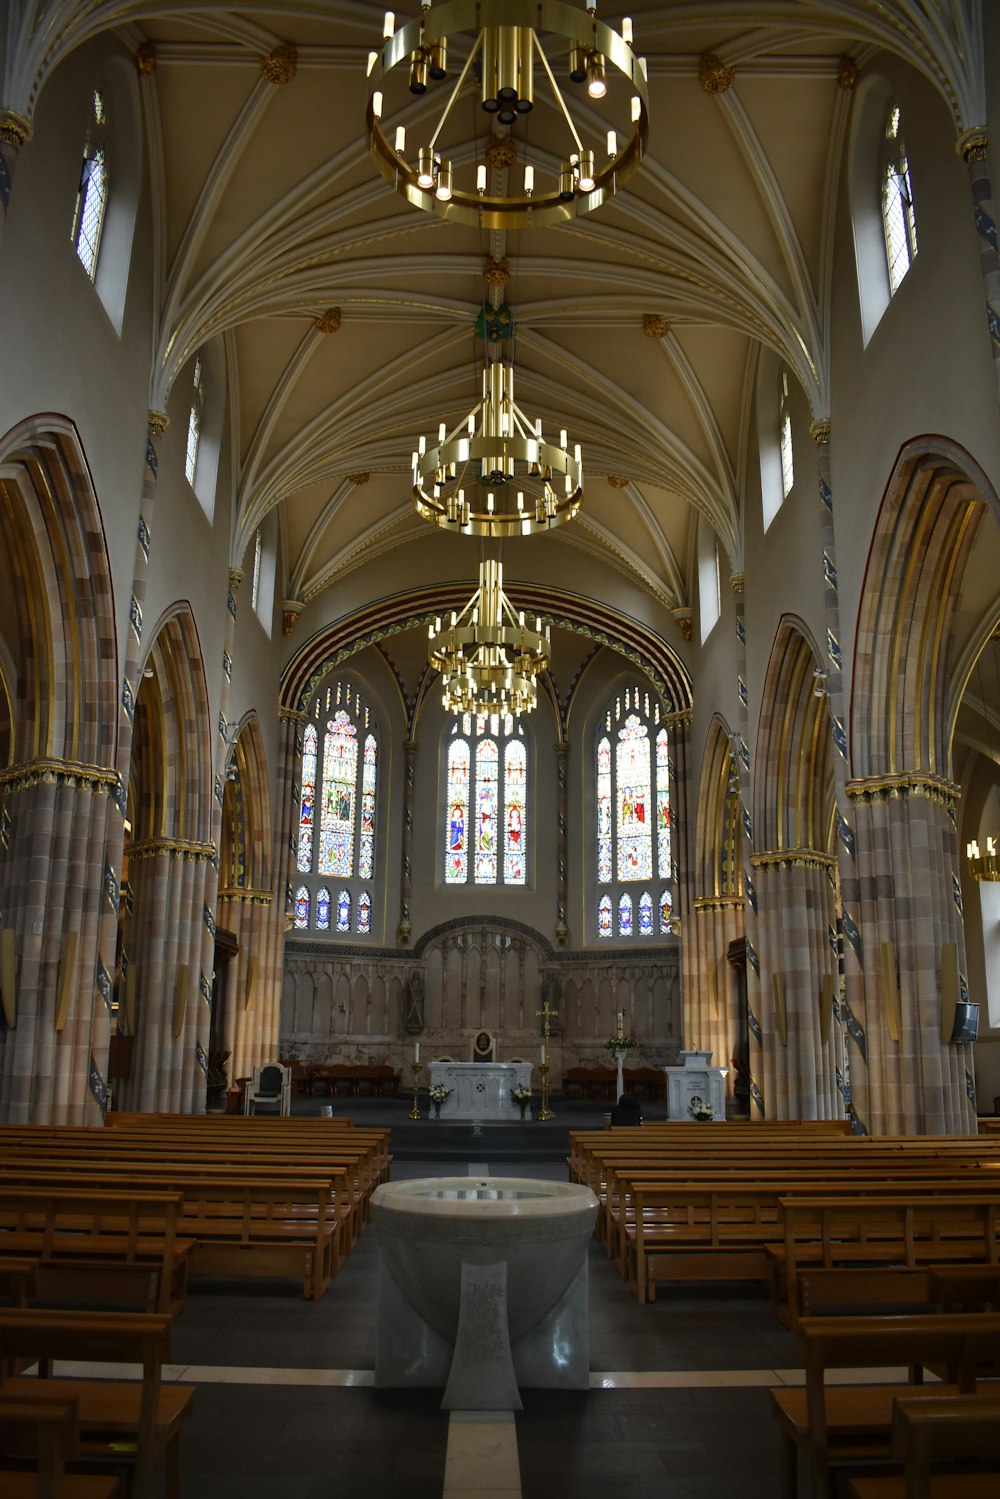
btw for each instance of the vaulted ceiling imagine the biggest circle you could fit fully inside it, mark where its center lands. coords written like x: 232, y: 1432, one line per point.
x: 272, y: 214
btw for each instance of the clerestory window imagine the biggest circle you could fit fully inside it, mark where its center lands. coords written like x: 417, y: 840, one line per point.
x: 92, y: 193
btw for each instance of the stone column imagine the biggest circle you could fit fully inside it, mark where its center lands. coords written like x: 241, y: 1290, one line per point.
x: 972, y: 146
x: 711, y: 1003
x: 796, y: 893
x: 849, y: 1006
x: 15, y: 132
x: 759, y: 1106
x: 286, y: 827
x: 406, y: 863
x: 916, y: 1081
x: 562, y: 802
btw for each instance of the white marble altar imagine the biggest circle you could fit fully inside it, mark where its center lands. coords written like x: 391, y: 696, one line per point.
x: 695, y: 1078
x: 481, y: 1090
x: 483, y: 1287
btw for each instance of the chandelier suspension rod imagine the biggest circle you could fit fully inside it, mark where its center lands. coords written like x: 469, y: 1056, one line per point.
x: 456, y: 90
x: 558, y: 93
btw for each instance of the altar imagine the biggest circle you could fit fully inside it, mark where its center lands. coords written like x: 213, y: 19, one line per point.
x: 481, y: 1090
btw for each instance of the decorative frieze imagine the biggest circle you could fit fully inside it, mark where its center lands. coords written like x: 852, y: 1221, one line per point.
x: 58, y: 773
x: 170, y: 848
x: 894, y: 788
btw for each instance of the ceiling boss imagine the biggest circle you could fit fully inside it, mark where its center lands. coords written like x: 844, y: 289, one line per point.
x: 493, y: 48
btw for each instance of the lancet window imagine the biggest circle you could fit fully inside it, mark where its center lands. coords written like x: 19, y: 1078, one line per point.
x: 633, y: 847
x: 92, y: 194
x: 486, y: 801
x: 337, y: 811
x: 898, y: 217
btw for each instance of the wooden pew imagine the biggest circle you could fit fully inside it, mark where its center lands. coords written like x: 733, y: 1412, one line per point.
x: 926, y: 1433
x: 852, y: 1423
x: 45, y: 1433
x: 134, y: 1228
x: 129, y: 1423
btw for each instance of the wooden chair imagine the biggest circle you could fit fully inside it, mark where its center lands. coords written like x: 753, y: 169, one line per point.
x: 271, y: 1088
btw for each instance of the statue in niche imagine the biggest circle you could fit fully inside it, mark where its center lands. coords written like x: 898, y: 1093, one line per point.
x: 415, y: 992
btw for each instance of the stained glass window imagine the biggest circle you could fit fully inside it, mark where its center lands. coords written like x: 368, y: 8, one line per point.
x: 92, y: 193
x: 323, y: 910
x: 364, y: 913
x: 898, y: 217
x: 301, y: 908
x: 457, y: 854
x: 666, y: 911
x: 633, y: 814
x: 486, y: 801
x: 635, y: 845
x: 343, y: 911
x: 338, y: 805
x: 663, y: 806
x: 308, y: 812
x: 340, y: 768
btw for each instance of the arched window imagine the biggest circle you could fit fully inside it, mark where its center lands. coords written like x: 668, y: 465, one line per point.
x: 898, y: 218
x: 301, y: 908
x: 634, y: 857
x: 785, y: 437
x: 486, y: 801
x: 337, y: 808
x: 194, y: 421
x: 92, y: 194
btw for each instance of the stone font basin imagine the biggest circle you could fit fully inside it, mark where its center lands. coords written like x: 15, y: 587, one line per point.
x: 483, y: 1286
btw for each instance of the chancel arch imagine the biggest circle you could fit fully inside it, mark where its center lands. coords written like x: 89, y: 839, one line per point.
x: 58, y: 782
x: 797, y: 1059
x: 936, y: 530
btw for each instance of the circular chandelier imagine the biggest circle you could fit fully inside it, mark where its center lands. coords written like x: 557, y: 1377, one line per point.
x: 487, y: 655
x: 494, y: 474
x: 494, y: 46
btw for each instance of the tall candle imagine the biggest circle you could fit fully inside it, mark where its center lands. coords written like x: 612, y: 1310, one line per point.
x: 416, y: 1052
x: 543, y: 1051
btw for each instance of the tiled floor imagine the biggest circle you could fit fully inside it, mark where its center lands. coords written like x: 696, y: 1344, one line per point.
x: 285, y: 1408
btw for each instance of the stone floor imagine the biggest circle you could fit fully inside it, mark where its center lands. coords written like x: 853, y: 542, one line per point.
x: 678, y: 1407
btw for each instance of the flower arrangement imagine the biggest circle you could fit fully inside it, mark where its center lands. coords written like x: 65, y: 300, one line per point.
x: 699, y: 1109
x: 521, y: 1094
x: 621, y: 1043
x: 438, y: 1093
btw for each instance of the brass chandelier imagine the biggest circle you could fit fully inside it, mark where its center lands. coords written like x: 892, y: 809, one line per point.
x: 494, y: 474
x: 488, y: 656
x: 495, y: 45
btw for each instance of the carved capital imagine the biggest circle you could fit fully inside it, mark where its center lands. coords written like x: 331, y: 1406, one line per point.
x: 235, y: 579
x: 279, y: 66
x: 971, y: 144
x: 328, y: 322
x: 683, y: 618
x: 736, y: 582
x: 157, y: 422
x: 714, y: 75
x: 653, y: 326
x: 847, y: 73
x: 145, y: 59
x: 290, y: 715
x: 15, y: 130
x: 290, y: 611
x: 819, y: 431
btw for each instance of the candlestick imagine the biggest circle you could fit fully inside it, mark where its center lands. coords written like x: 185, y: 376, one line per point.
x: 416, y: 1052
x: 415, y: 1112
x: 544, y: 1112
x: 543, y: 1051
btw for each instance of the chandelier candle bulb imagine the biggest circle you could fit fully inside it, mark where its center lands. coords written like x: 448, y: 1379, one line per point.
x: 627, y: 29
x: 372, y: 60
x: 444, y: 188
x: 529, y: 181
x: 597, y: 85
x: 400, y: 139
x: 481, y: 179
x: 636, y: 108
x: 612, y: 143
x: 389, y: 24
x: 377, y: 105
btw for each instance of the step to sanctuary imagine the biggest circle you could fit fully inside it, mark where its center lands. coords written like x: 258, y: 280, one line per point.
x: 432, y: 1139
